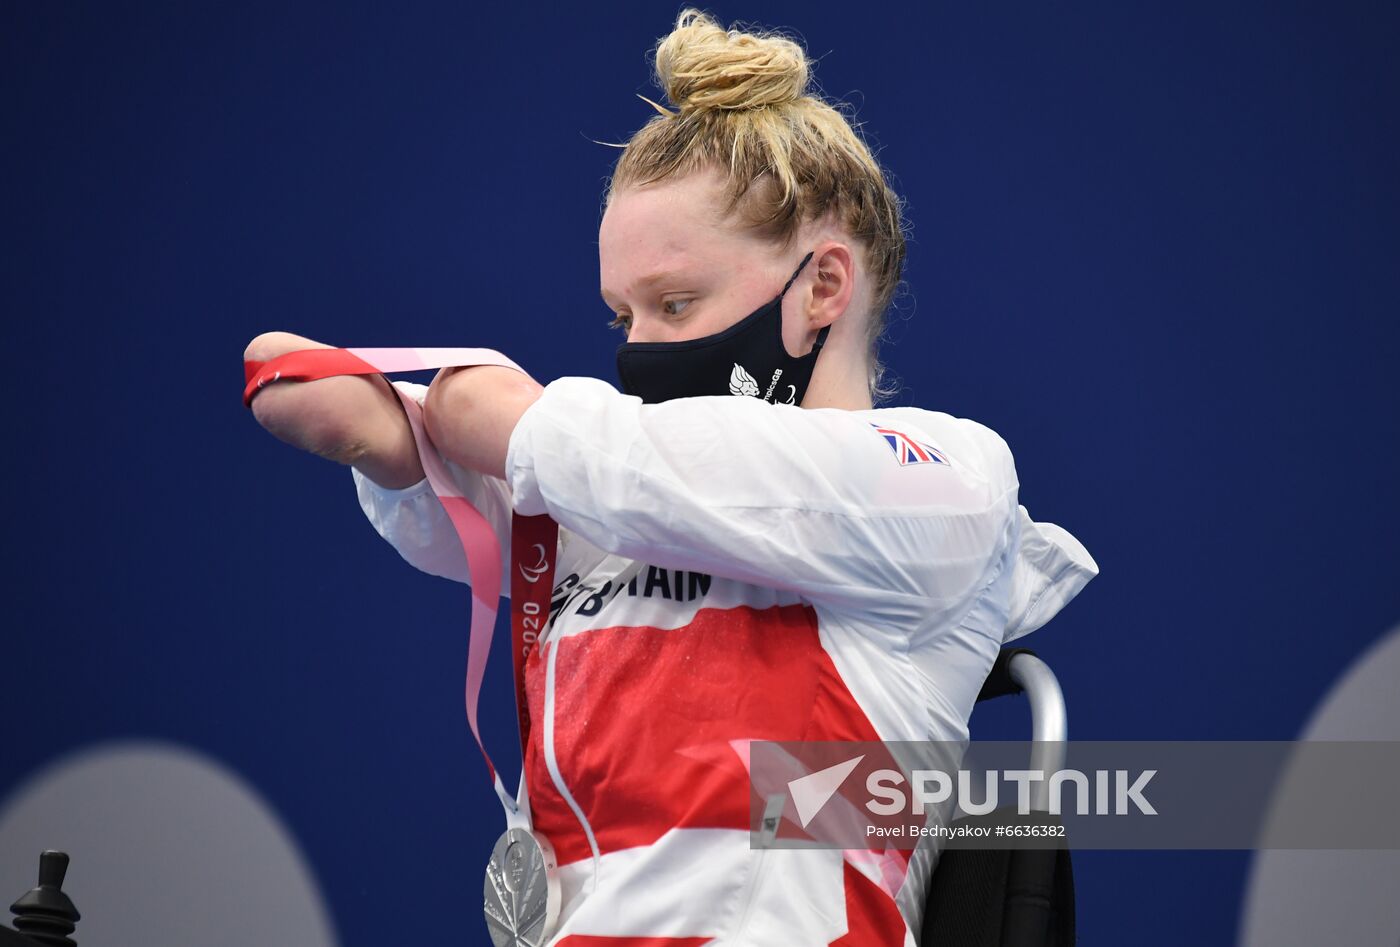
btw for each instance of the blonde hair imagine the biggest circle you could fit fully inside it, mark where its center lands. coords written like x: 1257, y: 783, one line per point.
x: 788, y: 156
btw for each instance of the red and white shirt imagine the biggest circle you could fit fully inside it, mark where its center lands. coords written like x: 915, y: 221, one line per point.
x: 732, y: 570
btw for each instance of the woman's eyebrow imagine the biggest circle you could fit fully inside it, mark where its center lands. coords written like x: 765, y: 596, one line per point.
x: 650, y: 279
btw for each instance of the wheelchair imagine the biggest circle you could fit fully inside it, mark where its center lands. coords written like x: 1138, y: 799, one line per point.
x: 1010, y: 897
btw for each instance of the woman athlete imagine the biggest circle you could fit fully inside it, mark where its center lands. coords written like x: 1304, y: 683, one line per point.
x: 749, y: 550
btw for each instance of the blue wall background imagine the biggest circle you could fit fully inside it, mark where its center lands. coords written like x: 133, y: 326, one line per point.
x: 1154, y: 247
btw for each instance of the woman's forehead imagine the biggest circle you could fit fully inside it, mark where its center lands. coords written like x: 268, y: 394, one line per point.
x: 665, y: 227
x: 675, y: 210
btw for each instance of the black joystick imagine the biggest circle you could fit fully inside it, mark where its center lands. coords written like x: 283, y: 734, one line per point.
x: 46, y: 915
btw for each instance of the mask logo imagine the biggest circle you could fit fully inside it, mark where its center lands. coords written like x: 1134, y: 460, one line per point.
x: 768, y: 395
x: 742, y: 383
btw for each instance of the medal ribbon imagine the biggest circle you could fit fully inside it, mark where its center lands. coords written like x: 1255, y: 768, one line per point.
x: 534, y: 539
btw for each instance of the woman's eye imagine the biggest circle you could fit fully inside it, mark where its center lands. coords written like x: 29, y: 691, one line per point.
x: 621, y: 321
x: 673, y: 307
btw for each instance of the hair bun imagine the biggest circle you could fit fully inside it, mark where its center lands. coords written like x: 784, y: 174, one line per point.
x: 703, y: 66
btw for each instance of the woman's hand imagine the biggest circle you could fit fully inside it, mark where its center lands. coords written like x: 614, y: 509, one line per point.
x: 350, y: 419
x: 471, y: 412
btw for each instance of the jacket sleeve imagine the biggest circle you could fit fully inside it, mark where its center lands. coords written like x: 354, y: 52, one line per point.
x: 414, y: 522
x: 811, y: 500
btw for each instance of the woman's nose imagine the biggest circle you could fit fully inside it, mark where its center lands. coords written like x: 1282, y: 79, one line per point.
x: 647, y: 329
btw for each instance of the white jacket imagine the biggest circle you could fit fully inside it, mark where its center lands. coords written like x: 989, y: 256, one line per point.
x: 732, y: 570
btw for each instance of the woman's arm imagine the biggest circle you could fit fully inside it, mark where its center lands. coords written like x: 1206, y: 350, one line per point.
x: 471, y: 412
x: 813, y: 501
x: 351, y: 419
x: 414, y: 521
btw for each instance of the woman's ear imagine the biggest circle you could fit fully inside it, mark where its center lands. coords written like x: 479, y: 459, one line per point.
x: 833, y: 269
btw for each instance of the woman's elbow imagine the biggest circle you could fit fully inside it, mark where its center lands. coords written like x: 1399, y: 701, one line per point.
x: 442, y: 402
x: 470, y: 414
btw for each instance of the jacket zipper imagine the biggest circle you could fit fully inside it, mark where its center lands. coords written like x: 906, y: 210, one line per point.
x: 754, y: 880
x: 552, y: 761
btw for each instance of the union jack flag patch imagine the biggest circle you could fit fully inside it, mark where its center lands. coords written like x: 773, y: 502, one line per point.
x: 907, y: 450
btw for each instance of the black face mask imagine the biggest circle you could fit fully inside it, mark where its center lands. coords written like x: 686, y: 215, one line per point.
x: 748, y: 358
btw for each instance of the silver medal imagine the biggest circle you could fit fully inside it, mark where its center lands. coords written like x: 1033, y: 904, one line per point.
x: 522, y: 891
